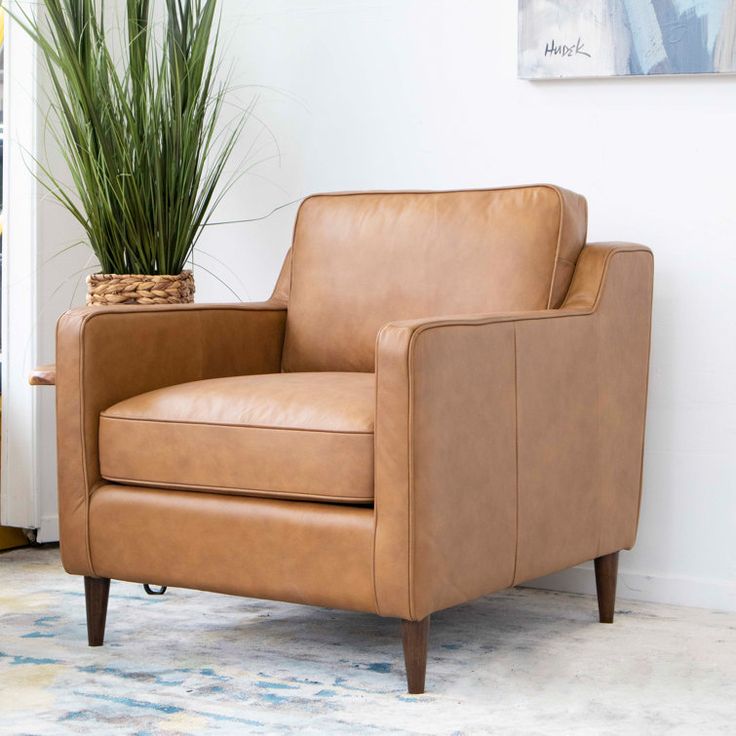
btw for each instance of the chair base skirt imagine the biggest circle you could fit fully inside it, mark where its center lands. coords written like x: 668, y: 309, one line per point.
x: 314, y: 553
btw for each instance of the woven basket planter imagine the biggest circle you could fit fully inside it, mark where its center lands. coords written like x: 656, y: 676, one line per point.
x: 112, y: 288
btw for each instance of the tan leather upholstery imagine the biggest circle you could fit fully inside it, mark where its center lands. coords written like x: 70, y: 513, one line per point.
x: 249, y: 435
x: 107, y: 354
x: 515, y: 438
x: 506, y: 444
x: 362, y: 260
x: 313, y: 553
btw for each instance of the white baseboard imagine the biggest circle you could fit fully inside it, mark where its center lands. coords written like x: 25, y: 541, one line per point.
x: 633, y: 585
x: 49, y: 529
x: 638, y: 586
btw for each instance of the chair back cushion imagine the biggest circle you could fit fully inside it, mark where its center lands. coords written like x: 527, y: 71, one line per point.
x: 361, y: 260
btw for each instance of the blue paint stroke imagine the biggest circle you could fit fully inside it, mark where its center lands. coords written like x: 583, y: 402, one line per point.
x: 162, y: 708
x: 216, y: 689
x: 274, y: 699
x: 159, y: 679
x: 382, y: 667
x: 17, y: 659
x: 326, y: 694
x: 45, y: 620
x: 77, y: 715
x: 39, y: 635
x: 133, y: 702
x: 673, y: 36
x: 342, y: 682
x: 209, y: 672
x: 300, y: 680
x: 93, y: 669
x: 275, y: 685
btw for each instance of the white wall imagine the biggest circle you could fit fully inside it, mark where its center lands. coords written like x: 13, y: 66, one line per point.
x: 363, y: 94
x: 423, y: 93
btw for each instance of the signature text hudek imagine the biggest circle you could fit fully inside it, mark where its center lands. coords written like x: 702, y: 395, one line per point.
x: 565, y: 50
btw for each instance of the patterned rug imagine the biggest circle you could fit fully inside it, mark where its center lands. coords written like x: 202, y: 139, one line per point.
x: 519, y: 662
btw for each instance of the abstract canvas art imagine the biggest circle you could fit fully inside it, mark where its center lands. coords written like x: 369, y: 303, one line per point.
x: 602, y: 38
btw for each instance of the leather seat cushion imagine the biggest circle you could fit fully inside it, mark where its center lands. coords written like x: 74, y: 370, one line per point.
x: 306, y: 436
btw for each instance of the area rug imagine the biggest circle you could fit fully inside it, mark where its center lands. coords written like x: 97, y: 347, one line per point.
x: 519, y: 662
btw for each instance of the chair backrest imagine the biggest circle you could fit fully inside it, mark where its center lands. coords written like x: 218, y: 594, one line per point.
x: 360, y: 260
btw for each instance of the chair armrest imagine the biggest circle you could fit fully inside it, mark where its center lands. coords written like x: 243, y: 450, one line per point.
x: 43, y: 375
x: 107, y: 354
x: 510, y: 445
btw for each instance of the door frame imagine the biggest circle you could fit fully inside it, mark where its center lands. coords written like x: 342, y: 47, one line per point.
x: 27, y: 489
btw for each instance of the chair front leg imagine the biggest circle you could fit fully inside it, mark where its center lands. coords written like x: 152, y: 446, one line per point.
x: 96, y: 593
x: 415, y: 639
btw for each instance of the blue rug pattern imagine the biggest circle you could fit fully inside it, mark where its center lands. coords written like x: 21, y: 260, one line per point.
x: 519, y: 662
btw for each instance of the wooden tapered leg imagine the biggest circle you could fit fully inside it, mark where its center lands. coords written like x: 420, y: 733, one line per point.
x: 96, y: 592
x: 415, y: 638
x: 606, y: 572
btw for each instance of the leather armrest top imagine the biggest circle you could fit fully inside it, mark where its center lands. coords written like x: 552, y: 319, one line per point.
x: 582, y: 297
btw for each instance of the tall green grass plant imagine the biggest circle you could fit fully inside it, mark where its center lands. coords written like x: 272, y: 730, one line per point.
x: 142, y: 134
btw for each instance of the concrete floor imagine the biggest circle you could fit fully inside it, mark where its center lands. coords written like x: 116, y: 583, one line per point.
x: 519, y: 662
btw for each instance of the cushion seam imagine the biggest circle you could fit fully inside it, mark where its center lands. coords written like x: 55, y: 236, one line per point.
x: 558, y: 247
x: 243, y: 491
x: 190, y: 423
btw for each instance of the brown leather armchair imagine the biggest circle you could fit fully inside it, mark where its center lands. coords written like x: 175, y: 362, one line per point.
x: 445, y: 396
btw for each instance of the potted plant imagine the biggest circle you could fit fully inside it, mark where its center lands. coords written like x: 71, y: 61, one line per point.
x: 139, y: 130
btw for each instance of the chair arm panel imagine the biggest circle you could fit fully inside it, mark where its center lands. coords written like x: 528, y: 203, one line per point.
x: 510, y: 445
x: 107, y: 354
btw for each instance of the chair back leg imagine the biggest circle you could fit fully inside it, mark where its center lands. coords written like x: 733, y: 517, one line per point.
x: 606, y: 572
